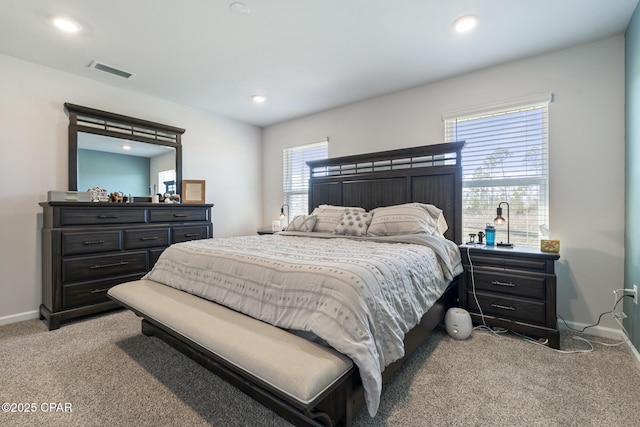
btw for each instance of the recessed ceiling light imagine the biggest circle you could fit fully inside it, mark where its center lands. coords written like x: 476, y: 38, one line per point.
x: 65, y: 24
x: 259, y: 98
x: 239, y: 8
x: 126, y: 147
x: 465, y: 23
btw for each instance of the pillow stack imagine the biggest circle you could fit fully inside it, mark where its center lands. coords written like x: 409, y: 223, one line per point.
x: 408, y: 218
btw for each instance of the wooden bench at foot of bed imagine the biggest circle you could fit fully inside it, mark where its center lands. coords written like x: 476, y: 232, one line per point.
x: 302, y: 381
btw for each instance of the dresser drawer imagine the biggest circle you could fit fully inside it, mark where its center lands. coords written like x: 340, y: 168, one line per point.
x: 146, y: 238
x: 512, y: 283
x: 178, y: 214
x: 103, y: 266
x: 89, y: 216
x: 90, y: 242
x: 91, y: 293
x: 154, y: 254
x: 183, y: 234
x: 512, y: 308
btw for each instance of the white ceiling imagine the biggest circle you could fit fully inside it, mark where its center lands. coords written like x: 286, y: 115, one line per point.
x: 304, y: 55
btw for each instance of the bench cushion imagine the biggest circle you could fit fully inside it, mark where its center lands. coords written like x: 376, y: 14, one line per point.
x: 299, y: 368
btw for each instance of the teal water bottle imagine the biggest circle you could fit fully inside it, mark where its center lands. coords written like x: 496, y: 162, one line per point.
x: 490, y: 233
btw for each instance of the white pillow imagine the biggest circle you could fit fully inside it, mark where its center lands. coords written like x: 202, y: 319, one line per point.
x: 409, y: 218
x: 354, y: 223
x: 302, y: 223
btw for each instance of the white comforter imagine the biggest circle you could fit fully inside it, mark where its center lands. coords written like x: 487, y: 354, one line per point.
x: 358, y: 294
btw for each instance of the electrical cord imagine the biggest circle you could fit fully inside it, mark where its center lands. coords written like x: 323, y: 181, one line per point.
x: 599, y: 317
x: 484, y: 325
x: 590, y: 342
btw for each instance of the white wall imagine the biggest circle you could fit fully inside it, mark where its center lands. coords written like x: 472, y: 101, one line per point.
x: 33, y: 133
x: 586, y: 153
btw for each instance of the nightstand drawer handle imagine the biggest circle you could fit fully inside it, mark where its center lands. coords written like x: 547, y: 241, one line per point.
x: 503, y: 307
x: 496, y: 282
x: 191, y: 234
x: 180, y: 215
x: 97, y: 291
x: 149, y: 238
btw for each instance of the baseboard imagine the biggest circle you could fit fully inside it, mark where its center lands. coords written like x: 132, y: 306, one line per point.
x: 597, y: 331
x: 634, y: 354
x: 20, y: 317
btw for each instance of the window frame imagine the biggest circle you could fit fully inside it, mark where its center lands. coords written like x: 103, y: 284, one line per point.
x: 525, y: 183
x: 299, y: 188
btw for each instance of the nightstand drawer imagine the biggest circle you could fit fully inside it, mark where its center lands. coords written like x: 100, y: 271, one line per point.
x: 530, y: 285
x: 522, y: 309
x: 505, y: 262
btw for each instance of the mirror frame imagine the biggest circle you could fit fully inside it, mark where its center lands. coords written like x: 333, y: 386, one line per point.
x: 90, y: 120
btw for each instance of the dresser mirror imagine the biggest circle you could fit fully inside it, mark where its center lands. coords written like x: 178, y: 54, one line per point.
x: 126, y: 155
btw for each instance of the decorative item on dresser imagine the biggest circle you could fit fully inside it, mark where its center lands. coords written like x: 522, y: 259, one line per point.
x: 513, y: 288
x: 89, y: 247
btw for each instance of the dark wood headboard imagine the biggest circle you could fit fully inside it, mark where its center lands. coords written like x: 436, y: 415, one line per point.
x: 426, y: 174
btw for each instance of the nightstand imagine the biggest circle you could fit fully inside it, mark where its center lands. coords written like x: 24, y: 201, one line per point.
x: 515, y: 288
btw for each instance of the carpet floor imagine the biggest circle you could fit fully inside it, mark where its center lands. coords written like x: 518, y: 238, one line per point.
x: 102, y: 372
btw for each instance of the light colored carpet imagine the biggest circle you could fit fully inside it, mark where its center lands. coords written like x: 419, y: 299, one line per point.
x: 111, y: 375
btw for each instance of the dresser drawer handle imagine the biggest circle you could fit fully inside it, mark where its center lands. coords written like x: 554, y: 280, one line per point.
x: 149, y: 238
x: 180, y: 215
x: 503, y: 307
x: 93, y: 242
x: 115, y: 264
x: 97, y: 291
x: 107, y: 216
x: 497, y: 282
x: 191, y: 234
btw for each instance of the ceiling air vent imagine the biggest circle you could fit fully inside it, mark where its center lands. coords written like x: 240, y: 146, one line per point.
x: 112, y: 70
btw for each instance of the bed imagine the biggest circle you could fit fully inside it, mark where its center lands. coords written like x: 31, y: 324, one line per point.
x: 295, y: 361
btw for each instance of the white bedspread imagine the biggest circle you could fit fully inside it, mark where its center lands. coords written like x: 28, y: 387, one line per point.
x: 358, y: 294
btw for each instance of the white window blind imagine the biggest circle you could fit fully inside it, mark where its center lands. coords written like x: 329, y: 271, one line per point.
x: 505, y: 159
x: 295, y: 175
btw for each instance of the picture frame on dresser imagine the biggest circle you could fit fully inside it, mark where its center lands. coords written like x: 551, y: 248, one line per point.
x: 193, y: 191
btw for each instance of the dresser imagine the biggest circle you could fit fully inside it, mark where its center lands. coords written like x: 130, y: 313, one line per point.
x: 514, y: 288
x: 89, y: 247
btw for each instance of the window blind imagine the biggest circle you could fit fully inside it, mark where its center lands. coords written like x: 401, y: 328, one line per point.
x: 295, y: 182
x: 505, y: 159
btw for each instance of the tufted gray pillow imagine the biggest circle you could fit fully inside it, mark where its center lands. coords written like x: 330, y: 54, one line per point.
x: 353, y: 223
x: 302, y: 223
x: 329, y: 217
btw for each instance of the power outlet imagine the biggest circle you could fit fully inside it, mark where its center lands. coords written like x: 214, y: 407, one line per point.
x: 635, y: 294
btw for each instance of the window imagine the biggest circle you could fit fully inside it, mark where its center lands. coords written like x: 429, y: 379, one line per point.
x: 167, y: 181
x: 295, y: 175
x: 505, y: 159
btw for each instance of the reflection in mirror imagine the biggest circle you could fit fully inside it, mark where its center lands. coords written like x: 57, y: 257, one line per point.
x: 122, y: 154
x: 125, y: 166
